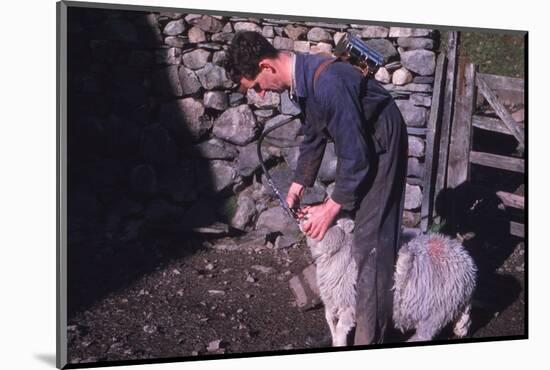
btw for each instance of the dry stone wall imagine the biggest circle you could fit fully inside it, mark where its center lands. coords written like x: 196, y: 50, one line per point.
x: 159, y: 136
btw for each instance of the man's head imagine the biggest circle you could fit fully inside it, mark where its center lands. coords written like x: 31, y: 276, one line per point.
x: 254, y: 63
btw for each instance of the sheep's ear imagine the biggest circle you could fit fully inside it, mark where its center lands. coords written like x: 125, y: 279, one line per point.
x: 347, y: 224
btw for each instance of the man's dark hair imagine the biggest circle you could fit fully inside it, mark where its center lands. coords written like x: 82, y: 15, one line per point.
x: 244, y: 54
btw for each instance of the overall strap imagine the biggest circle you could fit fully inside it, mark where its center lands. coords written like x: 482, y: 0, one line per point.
x: 321, y: 68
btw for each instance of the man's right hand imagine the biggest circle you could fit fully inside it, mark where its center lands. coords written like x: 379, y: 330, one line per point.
x: 294, y: 194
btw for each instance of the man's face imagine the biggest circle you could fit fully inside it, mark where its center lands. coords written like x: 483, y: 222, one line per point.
x: 267, y: 80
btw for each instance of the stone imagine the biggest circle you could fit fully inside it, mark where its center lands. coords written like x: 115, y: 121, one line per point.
x: 223, y: 37
x: 417, y: 146
x: 244, y: 215
x: 284, y: 241
x: 263, y: 113
x: 196, y: 59
x: 302, y: 46
x: 332, y: 26
x: 160, y: 211
x: 157, y: 147
x: 409, y: 32
x: 166, y: 82
x: 214, y: 77
x: 413, y: 197
x: 414, y: 116
x: 288, y: 106
x: 174, y: 28
x: 284, y: 136
x: 168, y: 56
x: 192, y: 18
x: 401, y: 77
x: 338, y: 36
x: 268, y: 32
x: 140, y: 58
x: 424, y: 80
x: 385, y: 48
x: 170, y: 15
x: 235, y: 99
x: 419, y: 61
x: 208, y: 24
x: 283, y: 43
x: 215, y: 149
x: 290, y: 156
x: 413, y: 43
x: 219, y: 175
x: 144, y: 179
x: 327, y: 171
x: 411, y: 219
x: 410, y: 88
x: 415, y: 168
x: 196, y: 35
x: 189, y: 81
x: 178, y: 182
x: 375, y: 32
x: 382, y: 75
x: 183, y: 118
x: 176, y: 41
x: 192, y: 111
x: 216, y: 100
x: 219, y: 58
x: 314, y: 195
x: 247, y: 26
x: 248, y: 160
x: 317, y: 34
x: 236, y: 125
x: 281, y: 176
x: 421, y: 100
x: 271, y: 99
x: 321, y: 47
x: 277, y: 221
x: 295, y: 32
x: 263, y: 269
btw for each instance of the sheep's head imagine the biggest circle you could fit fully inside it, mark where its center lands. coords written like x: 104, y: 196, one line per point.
x: 335, y: 237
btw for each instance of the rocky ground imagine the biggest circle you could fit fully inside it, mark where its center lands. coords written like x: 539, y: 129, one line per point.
x: 230, y: 296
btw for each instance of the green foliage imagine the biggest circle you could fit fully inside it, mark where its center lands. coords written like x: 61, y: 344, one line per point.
x: 501, y: 54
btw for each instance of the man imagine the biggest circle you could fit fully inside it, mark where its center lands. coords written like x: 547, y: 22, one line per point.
x: 370, y: 141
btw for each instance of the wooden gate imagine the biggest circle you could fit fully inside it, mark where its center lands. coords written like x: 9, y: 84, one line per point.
x: 458, y: 90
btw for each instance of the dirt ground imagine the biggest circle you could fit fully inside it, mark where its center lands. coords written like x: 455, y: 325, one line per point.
x: 196, y: 297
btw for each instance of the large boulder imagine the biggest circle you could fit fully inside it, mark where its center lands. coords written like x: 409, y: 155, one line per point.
x: 236, y: 125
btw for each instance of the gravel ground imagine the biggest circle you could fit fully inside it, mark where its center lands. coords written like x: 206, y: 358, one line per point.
x: 180, y: 297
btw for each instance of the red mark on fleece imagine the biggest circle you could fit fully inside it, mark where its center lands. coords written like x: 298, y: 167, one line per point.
x: 435, y: 248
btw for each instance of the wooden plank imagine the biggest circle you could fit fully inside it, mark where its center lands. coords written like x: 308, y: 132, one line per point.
x: 498, y: 161
x: 496, y: 82
x: 453, y: 41
x: 517, y: 229
x: 500, y: 110
x: 458, y: 170
x: 512, y: 200
x: 430, y: 161
x: 493, y: 124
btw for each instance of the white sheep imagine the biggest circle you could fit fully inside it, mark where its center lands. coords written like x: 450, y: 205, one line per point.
x: 434, y: 282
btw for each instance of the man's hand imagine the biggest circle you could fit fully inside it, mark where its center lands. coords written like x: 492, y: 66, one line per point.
x: 320, y: 219
x: 294, y: 194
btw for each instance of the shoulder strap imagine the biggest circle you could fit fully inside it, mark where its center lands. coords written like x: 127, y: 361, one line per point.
x: 321, y: 68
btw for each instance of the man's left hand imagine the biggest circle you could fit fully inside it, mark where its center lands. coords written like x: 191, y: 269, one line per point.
x: 320, y: 219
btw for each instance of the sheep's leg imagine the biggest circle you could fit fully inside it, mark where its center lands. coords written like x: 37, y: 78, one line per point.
x: 463, y: 323
x: 345, y: 323
x: 424, y: 332
x: 331, y: 320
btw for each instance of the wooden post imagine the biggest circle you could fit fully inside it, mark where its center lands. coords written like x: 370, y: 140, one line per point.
x: 461, y: 138
x: 432, y: 150
x: 445, y: 127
